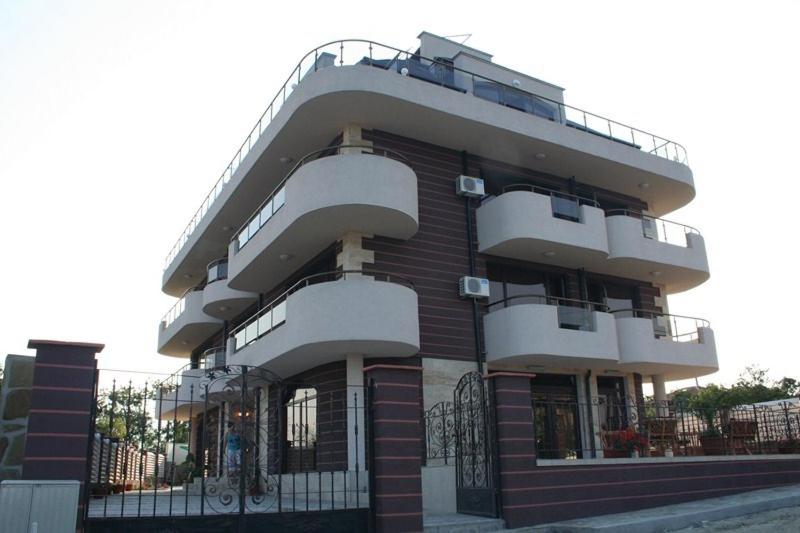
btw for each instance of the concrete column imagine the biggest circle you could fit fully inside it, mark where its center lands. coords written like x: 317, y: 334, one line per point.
x: 351, y: 136
x: 516, y: 446
x: 57, y: 444
x: 353, y: 256
x: 660, y: 395
x: 356, y: 405
x: 591, y: 405
x: 397, y: 447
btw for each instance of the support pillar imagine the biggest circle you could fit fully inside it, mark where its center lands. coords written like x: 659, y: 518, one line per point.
x: 516, y: 446
x: 396, y: 446
x: 356, y: 406
x: 353, y: 256
x: 660, y: 395
x: 61, y: 417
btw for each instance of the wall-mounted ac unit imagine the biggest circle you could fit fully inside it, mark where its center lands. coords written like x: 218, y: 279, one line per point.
x: 469, y: 287
x: 469, y: 186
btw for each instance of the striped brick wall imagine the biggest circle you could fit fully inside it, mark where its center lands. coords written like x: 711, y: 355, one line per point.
x: 396, y: 447
x: 60, y: 419
x: 516, y: 445
x: 555, y: 493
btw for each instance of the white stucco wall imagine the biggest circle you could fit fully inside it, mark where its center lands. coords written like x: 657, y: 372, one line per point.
x: 529, y: 334
x: 188, y: 330
x: 642, y: 352
x: 325, y: 199
x: 327, y: 321
x: 521, y: 224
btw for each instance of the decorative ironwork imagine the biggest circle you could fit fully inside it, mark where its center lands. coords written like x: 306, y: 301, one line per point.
x: 235, y: 425
x: 474, y: 439
x: 440, y: 433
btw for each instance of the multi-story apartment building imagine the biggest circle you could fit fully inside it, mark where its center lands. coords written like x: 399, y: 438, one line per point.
x: 436, y: 211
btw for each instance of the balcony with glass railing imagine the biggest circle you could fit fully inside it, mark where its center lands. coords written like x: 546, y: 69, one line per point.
x: 656, y: 250
x: 328, y: 193
x: 325, y: 316
x: 674, y: 346
x: 185, y: 326
x: 542, y: 225
x: 361, y: 54
x: 531, y: 330
x: 219, y: 300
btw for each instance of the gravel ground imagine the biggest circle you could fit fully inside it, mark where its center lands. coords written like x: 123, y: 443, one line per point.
x: 775, y: 521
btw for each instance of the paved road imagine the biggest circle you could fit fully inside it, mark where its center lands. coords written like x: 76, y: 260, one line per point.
x: 775, y: 521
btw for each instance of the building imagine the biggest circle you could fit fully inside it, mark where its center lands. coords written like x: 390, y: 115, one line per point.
x: 451, y: 227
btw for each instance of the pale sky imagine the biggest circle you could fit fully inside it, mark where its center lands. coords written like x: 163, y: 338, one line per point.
x: 116, y: 117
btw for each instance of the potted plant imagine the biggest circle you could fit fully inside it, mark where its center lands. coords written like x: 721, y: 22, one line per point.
x: 705, y: 405
x: 626, y: 443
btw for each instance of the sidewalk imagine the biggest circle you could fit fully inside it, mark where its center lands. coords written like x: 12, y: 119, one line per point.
x: 685, y: 515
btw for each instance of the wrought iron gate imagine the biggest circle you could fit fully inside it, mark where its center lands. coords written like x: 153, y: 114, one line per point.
x: 476, y: 486
x: 262, y: 454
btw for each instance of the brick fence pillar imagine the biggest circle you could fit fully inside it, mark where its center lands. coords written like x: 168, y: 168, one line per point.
x: 516, y: 445
x: 396, y: 447
x: 62, y: 401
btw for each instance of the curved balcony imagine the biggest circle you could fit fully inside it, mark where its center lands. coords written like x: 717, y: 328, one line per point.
x: 328, y: 193
x: 417, y: 97
x: 182, y: 395
x: 324, y: 317
x: 676, y: 347
x: 656, y: 250
x: 538, y: 330
x: 219, y: 300
x: 186, y: 326
x: 544, y: 226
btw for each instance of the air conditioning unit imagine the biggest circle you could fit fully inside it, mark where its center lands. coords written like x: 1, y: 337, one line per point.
x: 469, y: 287
x: 469, y: 186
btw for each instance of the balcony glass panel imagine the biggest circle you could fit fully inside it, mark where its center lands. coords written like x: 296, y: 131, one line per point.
x: 577, y: 318
x: 265, y: 322
x: 279, y: 314
x: 566, y: 208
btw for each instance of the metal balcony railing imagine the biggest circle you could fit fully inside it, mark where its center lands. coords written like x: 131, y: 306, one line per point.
x: 675, y: 327
x: 277, y: 198
x: 658, y: 229
x: 400, y: 62
x: 273, y: 314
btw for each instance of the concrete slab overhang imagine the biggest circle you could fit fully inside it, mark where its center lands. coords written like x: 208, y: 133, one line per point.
x: 220, y: 301
x: 521, y: 225
x: 640, y: 351
x: 530, y: 335
x: 327, y: 321
x: 324, y: 200
x: 189, y: 329
x: 386, y: 100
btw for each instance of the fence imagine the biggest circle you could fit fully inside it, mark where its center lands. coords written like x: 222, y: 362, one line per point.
x: 628, y: 429
x: 256, y: 445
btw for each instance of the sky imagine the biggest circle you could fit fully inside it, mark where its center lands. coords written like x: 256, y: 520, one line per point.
x: 116, y: 118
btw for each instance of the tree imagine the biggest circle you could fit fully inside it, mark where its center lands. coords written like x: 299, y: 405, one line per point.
x: 124, y: 413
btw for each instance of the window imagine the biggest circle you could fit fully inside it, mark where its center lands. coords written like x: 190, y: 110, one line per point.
x: 301, y: 431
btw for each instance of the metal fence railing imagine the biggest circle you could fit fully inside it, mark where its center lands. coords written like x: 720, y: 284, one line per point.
x: 629, y: 429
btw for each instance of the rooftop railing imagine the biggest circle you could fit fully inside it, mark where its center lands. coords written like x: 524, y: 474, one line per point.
x: 276, y: 199
x: 401, y: 62
x: 659, y: 229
